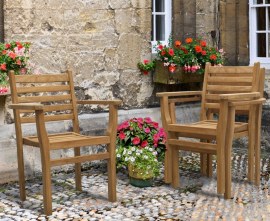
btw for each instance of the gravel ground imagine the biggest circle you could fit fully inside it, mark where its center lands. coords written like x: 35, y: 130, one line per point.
x: 195, y: 200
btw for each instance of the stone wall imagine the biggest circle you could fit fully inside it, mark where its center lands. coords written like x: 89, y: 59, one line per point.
x: 100, y: 41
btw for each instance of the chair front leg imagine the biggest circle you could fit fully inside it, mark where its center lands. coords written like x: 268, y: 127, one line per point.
x: 168, y: 166
x: 21, y: 168
x: 257, y: 147
x: 78, y: 172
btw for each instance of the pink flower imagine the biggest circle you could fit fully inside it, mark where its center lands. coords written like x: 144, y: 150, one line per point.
x: 144, y: 143
x: 12, y: 55
x: 125, y: 125
x: 147, y: 130
x: 156, y: 138
x: 155, y: 124
x: 136, y: 140
x: 140, y: 120
x: 148, y: 120
x: 122, y: 135
x: 23, y: 71
x: 145, y: 61
x: 3, y: 67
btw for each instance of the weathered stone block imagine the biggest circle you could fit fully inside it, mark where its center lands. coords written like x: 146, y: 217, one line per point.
x: 116, y: 4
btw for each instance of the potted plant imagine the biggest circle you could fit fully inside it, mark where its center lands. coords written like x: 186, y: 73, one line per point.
x: 14, y: 56
x: 141, y: 149
x: 184, y: 62
x: 146, y: 66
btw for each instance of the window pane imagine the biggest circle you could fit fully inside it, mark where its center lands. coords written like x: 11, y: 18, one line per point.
x: 261, y: 22
x: 152, y: 32
x: 258, y: 1
x: 261, y: 38
x: 160, y: 27
x: 267, y: 1
x: 268, y: 46
x: 160, y: 7
x: 268, y: 18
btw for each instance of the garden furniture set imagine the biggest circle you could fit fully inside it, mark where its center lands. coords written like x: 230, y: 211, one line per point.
x: 226, y: 91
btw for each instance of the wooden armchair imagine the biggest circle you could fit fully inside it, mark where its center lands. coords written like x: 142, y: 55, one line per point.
x: 44, y: 98
x: 227, y: 91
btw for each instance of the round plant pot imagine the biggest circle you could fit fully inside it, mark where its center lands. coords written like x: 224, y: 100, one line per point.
x: 138, y: 178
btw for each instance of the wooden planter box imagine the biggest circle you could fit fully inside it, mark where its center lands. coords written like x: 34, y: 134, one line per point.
x: 163, y: 76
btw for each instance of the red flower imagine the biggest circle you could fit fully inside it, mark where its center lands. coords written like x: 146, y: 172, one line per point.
x: 189, y: 40
x: 155, y: 124
x: 4, y: 52
x: 163, y: 52
x: 203, y: 43
x: 145, y: 72
x: 122, y: 135
x: 160, y: 47
x: 177, y: 44
x: 12, y: 55
x: 18, y: 62
x: 198, y: 48
x: 145, y: 61
x: 136, y: 140
x: 172, y: 68
x: 213, y: 57
x: 3, y: 67
x: 7, y: 46
x: 19, y: 45
x: 203, y: 52
x: 171, y: 52
x: 144, y: 143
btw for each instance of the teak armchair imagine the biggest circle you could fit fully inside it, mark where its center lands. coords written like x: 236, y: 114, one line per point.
x: 227, y: 91
x: 43, y: 98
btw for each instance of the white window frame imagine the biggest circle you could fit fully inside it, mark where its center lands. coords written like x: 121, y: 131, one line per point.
x: 265, y: 61
x: 168, y: 23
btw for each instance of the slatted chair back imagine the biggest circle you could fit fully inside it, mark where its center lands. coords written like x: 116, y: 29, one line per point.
x: 227, y: 80
x: 54, y: 91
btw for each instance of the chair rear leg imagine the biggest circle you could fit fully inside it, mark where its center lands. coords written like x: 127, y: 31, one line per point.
x: 209, y: 171
x: 168, y: 166
x: 111, y: 165
x: 21, y: 170
x: 78, y: 172
x: 258, y: 146
x: 175, y: 166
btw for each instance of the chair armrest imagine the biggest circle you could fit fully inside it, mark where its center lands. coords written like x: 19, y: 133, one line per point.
x: 250, y: 102
x: 28, y: 106
x: 239, y: 96
x: 102, y: 102
x: 178, y: 93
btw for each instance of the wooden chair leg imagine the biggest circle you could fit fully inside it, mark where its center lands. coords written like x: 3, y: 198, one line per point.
x: 21, y: 170
x: 78, y: 172
x: 228, y: 153
x: 251, y: 144
x: 203, y: 160
x: 112, y: 174
x: 46, y: 178
x: 167, y: 165
x: 209, y: 171
x: 257, y: 147
x: 175, y: 167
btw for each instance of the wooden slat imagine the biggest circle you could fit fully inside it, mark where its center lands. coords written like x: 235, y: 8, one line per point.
x: 191, y: 129
x: 58, y: 117
x: 179, y: 93
x: 231, y: 69
x: 212, y: 105
x: 184, y: 99
x: 52, y: 88
x: 217, y: 79
x: 41, y: 78
x: 199, y: 147
x: 219, y: 88
x: 44, y: 98
x: 79, y: 159
x: 49, y: 108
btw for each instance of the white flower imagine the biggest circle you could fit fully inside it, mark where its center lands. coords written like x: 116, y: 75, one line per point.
x: 132, y: 159
x: 133, y: 148
x: 151, y: 149
x: 126, y: 159
x: 138, y: 153
x: 145, y: 157
x: 118, y: 155
x: 129, y: 152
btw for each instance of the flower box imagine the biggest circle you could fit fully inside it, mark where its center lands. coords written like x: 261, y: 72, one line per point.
x: 162, y: 75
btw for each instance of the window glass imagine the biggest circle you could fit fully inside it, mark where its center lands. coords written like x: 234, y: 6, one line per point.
x: 261, y: 42
x: 258, y: 1
x: 160, y: 7
x: 160, y: 28
x: 261, y: 22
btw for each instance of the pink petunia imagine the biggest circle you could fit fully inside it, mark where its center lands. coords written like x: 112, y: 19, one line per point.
x: 156, y: 138
x: 125, y: 125
x: 155, y: 125
x: 140, y: 120
x: 136, y: 140
x: 144, y: 143
x: 148, y: 120
x: 147, y: 130
x: 122, y: 135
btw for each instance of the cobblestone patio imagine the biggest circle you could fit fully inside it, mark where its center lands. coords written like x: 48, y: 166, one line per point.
x: 196, y: 200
